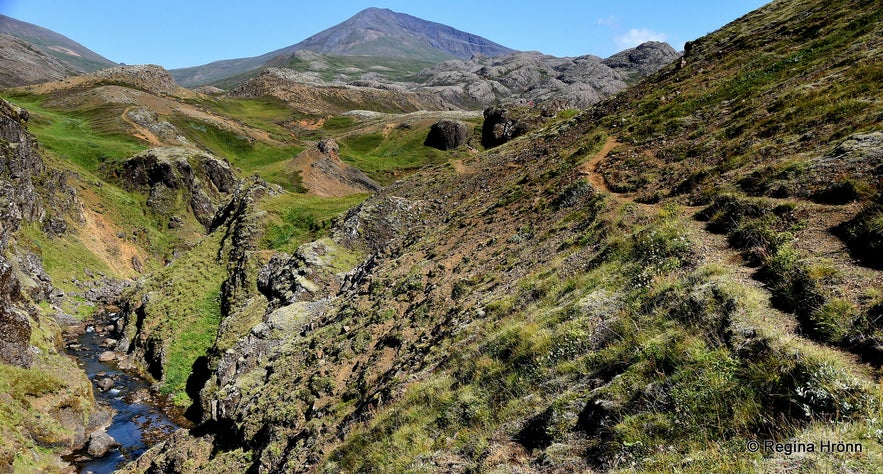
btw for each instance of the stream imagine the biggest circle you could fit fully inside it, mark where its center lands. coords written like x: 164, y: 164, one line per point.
x: 138, y: 422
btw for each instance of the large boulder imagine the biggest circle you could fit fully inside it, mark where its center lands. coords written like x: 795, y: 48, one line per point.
x: 100, y: 443
x: 502, y: 124
x: 447, y: 135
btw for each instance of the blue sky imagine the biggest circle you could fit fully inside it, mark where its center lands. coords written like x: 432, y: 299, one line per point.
x: 184, y: 33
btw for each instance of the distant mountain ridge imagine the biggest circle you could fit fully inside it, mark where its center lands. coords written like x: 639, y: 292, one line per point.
x: 371, y: 32
x: 41, y: 47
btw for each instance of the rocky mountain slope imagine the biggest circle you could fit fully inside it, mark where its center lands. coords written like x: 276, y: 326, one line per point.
x: 385, y: 33
x: 314, y: 96
x: 534, y: 77
x: 524, y: 77
x: 22, y: 64
x: 47, y: 403
x: 647, y: 286
x: 47, y: 54
x: 372, y: 32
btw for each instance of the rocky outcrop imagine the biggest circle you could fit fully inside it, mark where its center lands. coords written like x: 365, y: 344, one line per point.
x: 19, y: 167
x: 311, y: 271
x: 148, y: 78
x: 642, y: 60
x: 516, y: 77
x: 239, y: 221
x: 161, y: 129
x: 448, y: 134
x: 308, y: 93
x: 502, y: 124
x: 175, y: 175
x: 323, y: 173
x: 15, y: 326
x: 525, y: 77
x: 59, y: 415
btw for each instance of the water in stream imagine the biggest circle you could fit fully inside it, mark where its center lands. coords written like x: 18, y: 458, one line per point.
x: 138, y: 423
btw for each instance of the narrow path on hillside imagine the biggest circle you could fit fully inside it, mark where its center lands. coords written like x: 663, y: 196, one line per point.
x: 140, y: 131
x: 590, y: 168
x: 460, y: 167
x: 711, y: 248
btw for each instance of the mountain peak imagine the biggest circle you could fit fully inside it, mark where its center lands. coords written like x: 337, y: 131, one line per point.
x: 373, y: 32
x: 383, y: 32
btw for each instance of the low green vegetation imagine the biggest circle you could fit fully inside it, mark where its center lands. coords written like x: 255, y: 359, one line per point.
x: 390, y: 155
x: 86, y: 138
x: 34, y: 400
x: 183, y: 314
x: 299, y: 218
x: 263, y: 113
x: 654, y: 363
x: 251, y: 156
x: 394, y: 69
x: 64, y: 259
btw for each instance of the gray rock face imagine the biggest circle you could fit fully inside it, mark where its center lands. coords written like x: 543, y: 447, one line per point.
x: 15, y: 326
x: 149, y: 77
x: 150, y: 120
x: 447, y: 135
x: 514, y: 77
x: 168, y: 172
x: 534, y: 77
x: 19, y: 165
x: 329, y: 147
x: 299, y: 277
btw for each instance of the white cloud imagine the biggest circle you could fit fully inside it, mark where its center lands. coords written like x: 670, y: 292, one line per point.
x: 610, y: 22
x: 636, y: 36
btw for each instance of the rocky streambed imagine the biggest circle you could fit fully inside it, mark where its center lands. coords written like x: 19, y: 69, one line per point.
x: 137, y: 417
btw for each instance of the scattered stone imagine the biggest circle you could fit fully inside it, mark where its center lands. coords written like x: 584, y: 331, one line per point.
x: 109, y: 342
x: 105, y: 384
x: 329, y: 147
x: 107, y: 356
x: 100, y: 443
x: 136, y: 264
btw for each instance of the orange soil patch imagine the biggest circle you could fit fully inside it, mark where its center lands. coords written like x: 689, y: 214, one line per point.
x: 308, y: 124
x: 388, y: 128
x: 590, y: 168
x: 459, y: 167
x: 100, y: 237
